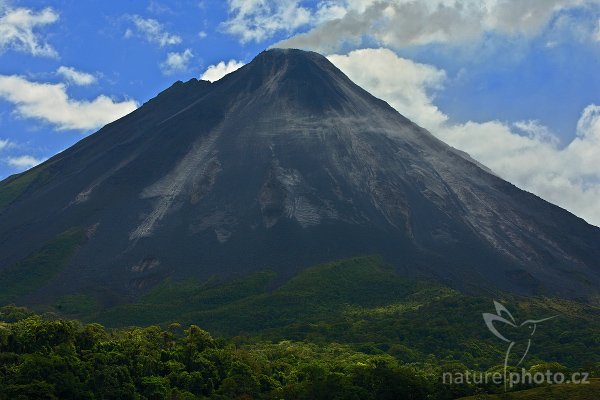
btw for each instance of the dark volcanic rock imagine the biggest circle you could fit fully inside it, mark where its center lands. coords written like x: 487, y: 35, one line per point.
x: 283, y: 164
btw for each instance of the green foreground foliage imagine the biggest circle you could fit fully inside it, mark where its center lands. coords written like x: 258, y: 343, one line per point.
x: 63, y: 359
x: 45, y: 358
x: 344, y: 330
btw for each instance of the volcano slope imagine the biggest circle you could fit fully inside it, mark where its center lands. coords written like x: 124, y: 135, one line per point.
x: 280, y: 165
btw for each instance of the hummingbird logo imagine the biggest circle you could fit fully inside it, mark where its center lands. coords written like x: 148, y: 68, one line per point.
x: 503, y: 316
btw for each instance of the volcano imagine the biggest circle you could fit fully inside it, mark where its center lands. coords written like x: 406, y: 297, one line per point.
x: 280, y: 165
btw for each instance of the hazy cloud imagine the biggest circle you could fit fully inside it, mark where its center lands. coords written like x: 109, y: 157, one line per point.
x: 4, y: 143
x: 177, y: 62
x: 156, y: 7
x: 51, y: 103
x: 24, y: 162
x: 152, y: 31
x: 17, y: 30
x: 403, y: 23
x: 215, y: 72
x: 257, y: 20
x: 76, y: 77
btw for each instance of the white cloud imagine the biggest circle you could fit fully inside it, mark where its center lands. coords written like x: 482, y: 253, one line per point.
x: 403, y: 23
x: 76, y: 77
x: 24, y: 162
x: 215, y: 72
x: 525, y: 153
x: 177, y: 62
x: 568, y: 177
x: 257, y: 20
x: 586, y: 146
x: 17, y: 30
x: 51, y: 103
x: 152, y: 31
x: 597, y: 32
x: 536, y: 131
x: 329, y: 10
x: 406, y: 85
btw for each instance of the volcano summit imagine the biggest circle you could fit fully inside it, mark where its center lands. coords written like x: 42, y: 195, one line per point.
x: 280, y: 165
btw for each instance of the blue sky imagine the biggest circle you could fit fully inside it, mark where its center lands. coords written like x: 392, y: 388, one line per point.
x: 91, y: 37
x: 514, y: 83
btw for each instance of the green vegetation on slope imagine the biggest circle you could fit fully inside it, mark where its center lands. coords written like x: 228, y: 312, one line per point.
x: 248, y: 304
x: 171, y: 300
x: 362, y: 303
x: 33, y: 272
x: 76, y: 305
x: 13, y: 187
